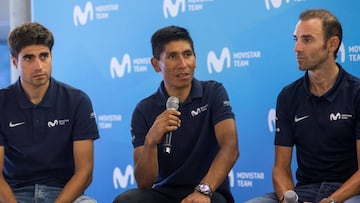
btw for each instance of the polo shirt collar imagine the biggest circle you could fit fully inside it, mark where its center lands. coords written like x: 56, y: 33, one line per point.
x: 331, y: 94
x: 195, y: 92
x: 47, y: 101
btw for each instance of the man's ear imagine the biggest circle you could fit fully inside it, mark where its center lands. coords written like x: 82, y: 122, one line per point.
x: 155, y: 64
x: 333, y: 43
x: 14, y: 61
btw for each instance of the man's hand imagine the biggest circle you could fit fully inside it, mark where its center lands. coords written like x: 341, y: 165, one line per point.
x: 196, y: 197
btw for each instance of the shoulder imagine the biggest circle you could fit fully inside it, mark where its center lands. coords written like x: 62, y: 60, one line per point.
x: 67, y: 90
x: 210, y: 83
x: 293, y: 86
x: 352, y: 79
x: 7, y: 92
x: 210, y: 86
x: 147, y: 102
x: 65, y: 86
x: 350, y: 86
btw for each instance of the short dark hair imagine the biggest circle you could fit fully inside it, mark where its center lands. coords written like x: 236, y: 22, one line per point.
x: 29, y: 34
x: 330, y: 24
x: 167, y: 34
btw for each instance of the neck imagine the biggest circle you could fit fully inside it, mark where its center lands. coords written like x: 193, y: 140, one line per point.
x: 180, y: 93
x: 322, y: 80
x: 35, y: 93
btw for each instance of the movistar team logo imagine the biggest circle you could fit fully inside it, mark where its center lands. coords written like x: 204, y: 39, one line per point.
x: 271, y: 120
x: 199, y: 110
x: 118, y: 69
x: 53, y: 123
x: 123, y: 179
x: 274, y: 3
x: 217, y: 64
x: 57, y: 122
x: 339, y: 116
x: 172, y: 9
x: 341, y: 52
x: 81, y: 17
x: 231, y: 177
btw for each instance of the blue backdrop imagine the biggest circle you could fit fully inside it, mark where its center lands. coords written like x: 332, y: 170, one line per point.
x: 4, y: 65
x: 103, y: 48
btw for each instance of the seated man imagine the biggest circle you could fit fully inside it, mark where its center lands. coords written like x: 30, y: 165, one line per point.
x: 319, y: 114
x: 200, y: 146
x: 47, y: 128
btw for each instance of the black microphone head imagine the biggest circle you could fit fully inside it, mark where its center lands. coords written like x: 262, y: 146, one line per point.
x: 172, y: 103
x: 290, y: 196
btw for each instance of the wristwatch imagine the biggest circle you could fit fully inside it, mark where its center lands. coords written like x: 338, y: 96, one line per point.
x: 333, y: 201
x: 205, y: 189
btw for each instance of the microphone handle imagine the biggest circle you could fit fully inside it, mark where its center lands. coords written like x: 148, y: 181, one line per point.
x: 167, y: 144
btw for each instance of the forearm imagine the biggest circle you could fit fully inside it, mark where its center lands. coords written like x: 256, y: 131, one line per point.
x: 75, y: 187
x: 221, y: 166
x: 6, y: 194
x: 146, y: 167
x: 350, y: 188
x: 282, y: 181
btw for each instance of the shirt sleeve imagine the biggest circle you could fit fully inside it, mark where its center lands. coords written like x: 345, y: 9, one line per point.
x: 85, y: 126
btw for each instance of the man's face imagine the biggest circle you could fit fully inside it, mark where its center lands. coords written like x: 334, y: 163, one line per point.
x: 34, y: 65
x: 310, y: 47
x: 177, y: 63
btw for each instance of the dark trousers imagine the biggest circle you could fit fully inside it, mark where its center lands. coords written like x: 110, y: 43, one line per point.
x: 161, y: 195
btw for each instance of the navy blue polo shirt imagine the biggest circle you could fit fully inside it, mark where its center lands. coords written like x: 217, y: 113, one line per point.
x: 323, y: 129
x: 194, y: 144
x: 38, y: 139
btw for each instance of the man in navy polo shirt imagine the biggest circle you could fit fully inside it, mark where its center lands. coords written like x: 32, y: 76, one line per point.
x: 320, y: 115
x: 47, y: 128
x: 204, y: 145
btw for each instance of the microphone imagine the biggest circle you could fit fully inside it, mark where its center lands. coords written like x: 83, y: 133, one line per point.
x: 171, y: 103
x: 290, y: 196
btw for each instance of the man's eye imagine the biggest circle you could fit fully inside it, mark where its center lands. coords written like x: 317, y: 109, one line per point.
x: 27, y: 58
x: 307, y: 40
x: 44, y: 56
x: 188, y: 54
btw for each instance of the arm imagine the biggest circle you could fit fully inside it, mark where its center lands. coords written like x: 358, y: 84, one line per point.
x: 6, y: 194
x: 281, y: 174
x: 351, y: 187
x: 225, y: 159
x: 145, y: 157
x: 84, y: 163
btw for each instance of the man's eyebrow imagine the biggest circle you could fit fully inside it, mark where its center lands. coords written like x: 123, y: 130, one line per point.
x: 28, y: 55
x: 173, y: 52
x: 306, y: 36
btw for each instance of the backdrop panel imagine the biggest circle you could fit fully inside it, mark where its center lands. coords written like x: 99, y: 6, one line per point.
x: 103, y: 48
x: 4, y: 65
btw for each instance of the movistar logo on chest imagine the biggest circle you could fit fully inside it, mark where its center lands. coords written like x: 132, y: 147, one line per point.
x: 57, y: 122
x: 199, y: 110
x: 339, y: 116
